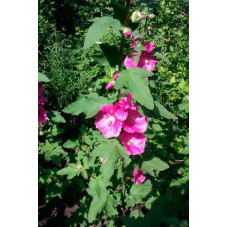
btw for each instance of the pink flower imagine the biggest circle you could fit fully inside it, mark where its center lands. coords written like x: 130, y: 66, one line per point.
x: 134, y: 143
x: 138, y: 37
x: 134, y: 44
x: 128, y: 33
x: 116, y: 75
x: 102, y: 160
x: 135, y: 122
x: 42, y: 100
x: 129, y: 62
x: 134, y: 53
x: 149, y: 28
x: 149, y: 46
x: 138, y: 176
x: 147, y: 61
x: 143, y: 17
x: 110, y: 85
x: 42, y: 115
x: 107, y: 122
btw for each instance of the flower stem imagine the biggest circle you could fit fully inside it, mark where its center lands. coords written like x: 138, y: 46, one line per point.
x: 122, y: 43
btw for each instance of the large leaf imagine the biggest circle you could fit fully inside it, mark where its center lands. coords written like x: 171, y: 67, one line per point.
x: 56, y: 117
x: 162, y: 111
x: 42, y: 78
x: 134, y: 78
x: 110, y: 151
x: 111, y: 54
x: 99, y: 28
x: 70, y: 171
x: 154, y: 164
x: 87, y: 104
x: 138, y: 193
x: 99, y: 193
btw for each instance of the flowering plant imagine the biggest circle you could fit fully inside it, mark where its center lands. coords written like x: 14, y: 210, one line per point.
x: 116, y: 158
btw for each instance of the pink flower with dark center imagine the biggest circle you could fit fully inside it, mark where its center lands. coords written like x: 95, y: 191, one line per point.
x: 110, y: 85
x: 134, y: 143
x: 129, y: 62
x: 107, y: 122
x: 138, y: 176
x: 134, y: 44
x: 135, y: 122
x: 42, y: 115
x: 147, y: 61
x: 149, y: 28
x: 102, y: 160
x: 149, y: 46
x: 138, y: 37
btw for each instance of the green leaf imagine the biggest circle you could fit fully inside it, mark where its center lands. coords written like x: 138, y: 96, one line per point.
x: 110, y: 151
x: 98, y: 29
x: 87, y: 104
x: 157, y: 127
x: 111, y: 54
x: 42, y: 78
x: 138, y: 193
x: 136, y: 214
x: 154, y: 164
x: 160, y: 56
x: 97, y: 190
x: 162, y: 111
x: 110, y: 206
x: 56, y: 117
x: 70, y: 144
x: 185, y: 150
x: 70, y: 171
x: 134, y: 78
x: 119, y: 11
x: 184, y: 106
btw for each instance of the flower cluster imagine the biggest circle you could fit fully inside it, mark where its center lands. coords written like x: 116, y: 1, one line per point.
x: 111, y: 119
x: 42, y: 113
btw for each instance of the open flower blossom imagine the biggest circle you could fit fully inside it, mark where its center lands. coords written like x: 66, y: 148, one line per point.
x: 146, y: 61
x: 135, y: 122
x: 129, y: 62
x: 149, y: 46
x: 134, y: 143
x: 42, y: 115
x: 107, y: 122
x: 138, y: 176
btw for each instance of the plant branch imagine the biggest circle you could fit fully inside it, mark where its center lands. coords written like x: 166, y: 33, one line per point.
x: 122, y: 43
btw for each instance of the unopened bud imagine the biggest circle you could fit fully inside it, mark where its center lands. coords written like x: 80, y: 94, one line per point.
x: 136, y: 16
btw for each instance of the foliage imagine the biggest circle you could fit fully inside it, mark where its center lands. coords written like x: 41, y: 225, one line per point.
x: 79, y: 51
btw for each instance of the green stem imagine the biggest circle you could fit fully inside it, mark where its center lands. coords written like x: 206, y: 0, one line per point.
x: 122, y: 43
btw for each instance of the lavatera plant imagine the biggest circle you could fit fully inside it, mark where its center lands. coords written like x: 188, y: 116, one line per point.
x: 121, y: 162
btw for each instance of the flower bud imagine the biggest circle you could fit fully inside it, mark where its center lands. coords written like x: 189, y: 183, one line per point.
x: 136, y: 16
x: 127, y: 31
